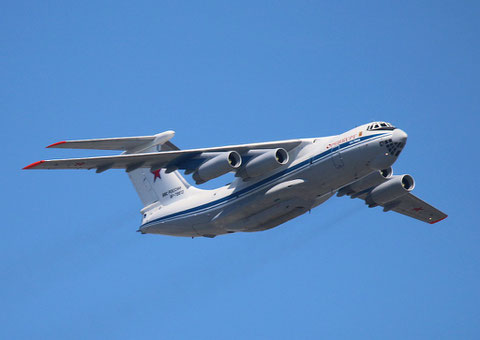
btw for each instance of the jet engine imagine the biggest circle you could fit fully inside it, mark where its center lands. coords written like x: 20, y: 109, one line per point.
x: 372, y: 180
x: 216, y: 166
x: 394, y: 188
x: 263, y: 161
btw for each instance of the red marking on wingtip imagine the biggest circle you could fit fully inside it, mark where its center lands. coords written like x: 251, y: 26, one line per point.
x: 33, y: 165
x: 438, y: 220
x: 55, y: 144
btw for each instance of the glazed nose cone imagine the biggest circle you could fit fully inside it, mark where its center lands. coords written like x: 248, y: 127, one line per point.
x: 399, y: 136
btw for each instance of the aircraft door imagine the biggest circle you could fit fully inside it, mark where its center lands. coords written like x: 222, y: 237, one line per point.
x: 337, y: 157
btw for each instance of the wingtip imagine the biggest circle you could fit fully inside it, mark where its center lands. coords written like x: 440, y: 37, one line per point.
x: 439, y: 220
x: 33, y: 165
x: 55, y: 144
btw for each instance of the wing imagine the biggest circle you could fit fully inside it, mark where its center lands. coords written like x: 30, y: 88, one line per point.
x: 407, y: 204
x: 174, y: 159
x: 412, y: 206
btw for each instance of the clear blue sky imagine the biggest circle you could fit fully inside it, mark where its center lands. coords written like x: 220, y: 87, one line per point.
x: 219, y: 72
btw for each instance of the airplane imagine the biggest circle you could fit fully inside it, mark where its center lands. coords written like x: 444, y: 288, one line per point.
x: 274, y: 181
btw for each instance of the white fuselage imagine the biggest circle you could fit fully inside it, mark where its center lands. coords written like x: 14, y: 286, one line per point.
x: 317, y: 168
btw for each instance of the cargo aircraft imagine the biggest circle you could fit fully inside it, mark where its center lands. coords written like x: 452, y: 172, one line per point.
x: 275, y: 181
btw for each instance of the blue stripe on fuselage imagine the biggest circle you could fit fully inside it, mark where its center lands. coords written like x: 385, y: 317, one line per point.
x: 255, y: 186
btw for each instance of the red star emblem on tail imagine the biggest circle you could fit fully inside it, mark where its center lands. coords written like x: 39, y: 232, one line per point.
x: 156, y: 174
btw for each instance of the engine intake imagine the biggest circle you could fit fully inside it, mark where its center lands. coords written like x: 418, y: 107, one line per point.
x: 216, y: 166
x: 263, y: 161
x: 389, y: 191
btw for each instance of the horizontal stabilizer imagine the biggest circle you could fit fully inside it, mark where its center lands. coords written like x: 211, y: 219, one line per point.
x: 129, y: 144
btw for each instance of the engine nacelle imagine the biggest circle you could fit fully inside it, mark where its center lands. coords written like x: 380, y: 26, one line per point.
x: 372, y: 180
x: 217, y: 166
x: 394, y: 188
x: 264, y: 161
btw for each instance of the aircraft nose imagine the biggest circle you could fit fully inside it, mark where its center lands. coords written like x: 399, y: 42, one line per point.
x: 399, y: 136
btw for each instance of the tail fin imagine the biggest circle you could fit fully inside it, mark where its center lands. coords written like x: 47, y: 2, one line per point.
x: 152, y: 187
x: 159, y: 186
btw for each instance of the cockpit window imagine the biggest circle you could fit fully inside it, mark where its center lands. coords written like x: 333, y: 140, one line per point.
x: 380, y: 126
